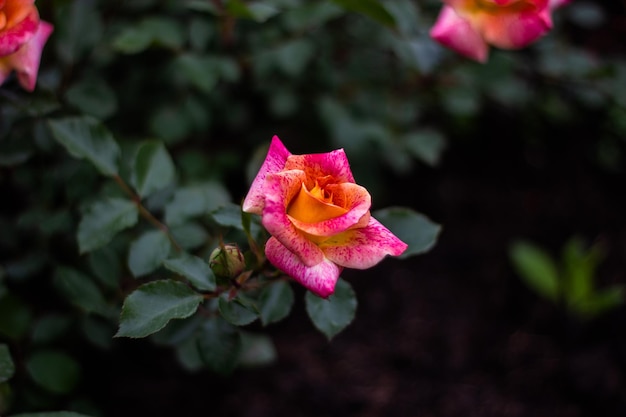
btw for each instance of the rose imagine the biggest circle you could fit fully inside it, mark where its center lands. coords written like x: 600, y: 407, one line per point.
x: 22, y: 37
x: 318, y: 217
x: 470, y: 26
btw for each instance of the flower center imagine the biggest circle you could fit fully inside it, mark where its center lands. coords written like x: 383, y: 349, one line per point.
x: 499, y: 6
x: 3, y: 18
x: 314, y: 205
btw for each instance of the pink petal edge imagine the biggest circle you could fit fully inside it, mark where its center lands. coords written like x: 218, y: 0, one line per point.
x: 274, y: 162
x: 334, y: 163
x: 29, y: 66
x: 13, y: 38
x: 25, y: 61
x: 364, y: 247
x: 320, y: 279
x: 454, y: 32
x: 279, y: 189
x: 513, y: 31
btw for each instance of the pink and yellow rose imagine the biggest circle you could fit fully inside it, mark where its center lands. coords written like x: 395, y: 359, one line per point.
x: 319, y: 218
x: 22, y: 38
x: 470, y: 26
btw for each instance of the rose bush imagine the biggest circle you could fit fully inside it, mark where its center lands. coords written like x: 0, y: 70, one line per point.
x: 470, y: 26
x: 319, y: 218
x: 22, y: 38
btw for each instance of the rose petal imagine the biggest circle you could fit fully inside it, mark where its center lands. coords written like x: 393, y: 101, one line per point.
x: 514, y: 30
x: 21, y: 25
x: 26, y: 60
x: 29, y: 56
x: 307, y: 208
x: 461, y: 4
x: 279, y: 189
x: 453, y: 31
x: 320, y: 279
x: 317, y: 165
x: 363, y: 248
x: 274, y: 162
x: 553, y: 4
x: 354, y: 198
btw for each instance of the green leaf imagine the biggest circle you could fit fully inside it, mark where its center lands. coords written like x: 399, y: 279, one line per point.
x: 238, y: 311
x: 81, y: 291
x: 103, y: 220
x: 256, y: 350
x: 370, y: 8
x: 151, y: 306
x: 413, y: 228
x: 201, y: 32
x: 275, y: 302
x: 78, y: 29
x: 536, y: 268
x: 148, y: 252
x: 426, y: 145
x: 153, y: 169
x: 418, y: 51
x: 199, y: 71
x: 246, y: 223
x: 7, y: 367
x: 257, y: 11
x: 86, y: 138
x: 579, y: 267
x: 195, y: 200
x: 586, y: 14
x: 50, y: 327
x: 601, y: 301
x: 54, y: 371
x: 194, y: 269
x: 97, y: 331
x: 406, y: 15
x: 178, y: 331
x: 332, y: 315
x: 292, y: 57
x: 161, y: 31
x: 15, y: 317
x: 188, y: 355
x: 203, y: 6
x: 219, y: 344
x: 170, y: 123
x: 26, y: 266
x: 132, y: 40
x: 228, y: 216
x: 106, y: 266
x: 165, y: 31
x: 92, y: 96
x: 189, y: 235
x: 311, y: 14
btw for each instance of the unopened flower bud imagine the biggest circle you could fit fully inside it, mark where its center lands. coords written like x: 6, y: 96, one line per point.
x: 227, y: 261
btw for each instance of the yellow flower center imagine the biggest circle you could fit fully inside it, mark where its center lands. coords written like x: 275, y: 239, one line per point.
x: 314, y: 205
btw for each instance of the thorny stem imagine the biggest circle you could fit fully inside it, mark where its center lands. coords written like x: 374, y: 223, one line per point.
x: 145, y: 213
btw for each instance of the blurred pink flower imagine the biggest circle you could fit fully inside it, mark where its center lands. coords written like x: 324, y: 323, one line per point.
x: 470, y: 26
x: 22, y: 38
x: 318, y: 217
